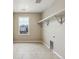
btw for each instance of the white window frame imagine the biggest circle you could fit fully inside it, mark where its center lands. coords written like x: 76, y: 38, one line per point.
x: 19, y: 26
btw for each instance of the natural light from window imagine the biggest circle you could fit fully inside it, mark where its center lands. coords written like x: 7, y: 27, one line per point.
x: 23, y: 25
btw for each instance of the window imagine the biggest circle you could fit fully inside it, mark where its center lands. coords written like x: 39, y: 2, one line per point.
x: 23, y: 25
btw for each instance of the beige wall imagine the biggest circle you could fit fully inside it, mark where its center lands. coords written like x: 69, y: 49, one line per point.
x: 34, y: 28
x: 55, y: 29
x: 58, y: 30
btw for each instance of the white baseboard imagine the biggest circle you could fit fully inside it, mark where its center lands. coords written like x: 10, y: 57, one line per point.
x: 27, y: 41
x: 58, y: 55
x: 46, y: 45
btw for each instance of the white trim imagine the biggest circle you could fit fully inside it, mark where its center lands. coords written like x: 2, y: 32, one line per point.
x: 28, y: 26
x: 46, y: 45
x: 58, y: 54
x: 26, y: 41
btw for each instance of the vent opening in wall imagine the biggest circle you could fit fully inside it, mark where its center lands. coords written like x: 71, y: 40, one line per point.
x: 38, y: 1
x: 51, y: 44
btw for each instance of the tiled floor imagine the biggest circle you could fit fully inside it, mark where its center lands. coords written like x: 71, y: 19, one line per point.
x: 31, y: 51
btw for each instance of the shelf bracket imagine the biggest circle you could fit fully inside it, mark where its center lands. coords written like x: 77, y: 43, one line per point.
x: 60, y: 19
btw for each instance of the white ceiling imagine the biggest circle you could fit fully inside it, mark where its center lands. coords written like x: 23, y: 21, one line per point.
x: 30, y: 5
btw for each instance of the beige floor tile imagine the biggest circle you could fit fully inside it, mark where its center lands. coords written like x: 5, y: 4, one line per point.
x: 31, y: 51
